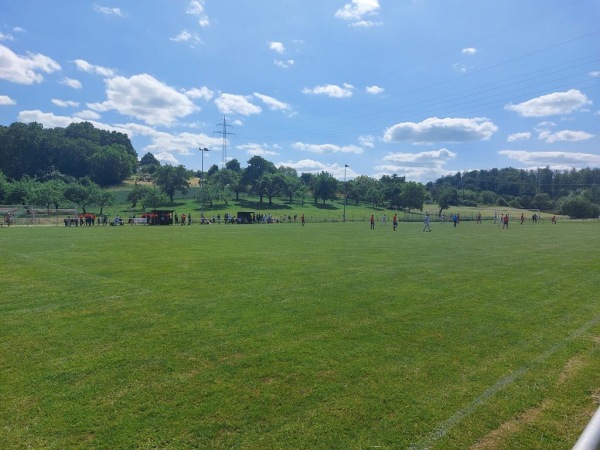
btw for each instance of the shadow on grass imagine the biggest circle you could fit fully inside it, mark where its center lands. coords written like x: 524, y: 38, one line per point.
x: 327, y: 207
x: 252, y: 205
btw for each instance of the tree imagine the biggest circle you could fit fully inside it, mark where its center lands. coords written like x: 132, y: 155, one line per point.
x: 392, y: 189
x: 212, y: 170
x: 154, y: 198
x: 219, y: 187
x: 291, y: 187
x: 111, y: 165
x: 49, y: 193
x: 225, y: 178
x: 234, y: 164
x: 324, y: 187
x: 358, y: 188
x: 449, y: 196
x: 4, y: 187
x: 137, y: 194
x: 82, y: 193
x: 207, y: 194
x: 149, y: 160
x: 171, y: 179
x: 488, y: 197
x: 412, y: 195
x: 104, y: 198
x: 375, y: 195
x: 578, y: 207
x: 20, y: 191
x: 271, y: 184
x: 257, y: 167
x: 542, y: 201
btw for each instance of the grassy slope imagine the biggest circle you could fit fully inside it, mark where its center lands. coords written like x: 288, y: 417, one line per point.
x: 329, y: 211
x: 327, y: 336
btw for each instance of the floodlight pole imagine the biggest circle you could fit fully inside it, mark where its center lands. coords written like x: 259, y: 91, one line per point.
x: 345, y: 191
x: 203, y: 150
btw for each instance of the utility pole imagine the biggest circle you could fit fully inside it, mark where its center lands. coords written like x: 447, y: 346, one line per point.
x: 224, y: 133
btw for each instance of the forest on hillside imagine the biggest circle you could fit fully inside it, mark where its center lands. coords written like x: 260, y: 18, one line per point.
x: 79, y: 150
x: 72, y: 165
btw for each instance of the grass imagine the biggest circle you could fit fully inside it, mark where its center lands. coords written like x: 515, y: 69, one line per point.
x: 279, y: 336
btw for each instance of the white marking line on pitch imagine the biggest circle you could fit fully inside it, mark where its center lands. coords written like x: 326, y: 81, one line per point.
x: 450, y: 423
x: 87, y: 274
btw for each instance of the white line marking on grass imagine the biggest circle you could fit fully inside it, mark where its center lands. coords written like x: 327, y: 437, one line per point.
x: 451, y: 422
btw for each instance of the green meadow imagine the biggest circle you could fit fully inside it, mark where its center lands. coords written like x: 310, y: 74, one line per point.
x: 281, y: 336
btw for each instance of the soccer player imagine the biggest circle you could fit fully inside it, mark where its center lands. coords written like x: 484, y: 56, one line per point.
x: 427, y: 227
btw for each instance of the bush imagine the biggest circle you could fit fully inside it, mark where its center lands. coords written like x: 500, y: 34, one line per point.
x: 578, y: 207
x: 502, y: 202
x: 515, y: 203
x: 488, y: 197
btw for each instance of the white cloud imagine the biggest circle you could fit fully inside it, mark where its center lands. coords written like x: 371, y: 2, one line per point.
x: 236, y: 104
x: 108, y: 11
x: 519, y: 136
x: 331, y: 90
x: 186, y: 36
x: 284, y: 64
x: 374, y: 90
x: 544, y: 125
x: 161, y: 142
x: 203, y: 93
x: 441, y: 130
x: 552, y: 104
x: 431, y: 158
x: 357, y: 11
x: 272, y: 103
x: 146, y: 98
x: 71, y: 82
x: 6, y: 37
x: 50, y: 120
x: 5, y: 100
x: 327, y: 148
x: 595, y: 74
x: 166, y: 158
x: 365, y: 24
x: 196, y: 8
x: 181, y: 143
x: 25, y: 69
x: 257, y: 150
x: 564, y: 136
x: 367, y: 141
x: 85, y: 66
x: 423, y: 166
x: 64, y: 103
x: 469, y: 51
x: 277, y: 47
x: 19, y: 30
x: 88, y: 115
x: 553, y: 159
x: 459, y: 67
x: 312, y: 166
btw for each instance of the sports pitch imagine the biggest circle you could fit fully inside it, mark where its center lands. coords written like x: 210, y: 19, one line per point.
x: 282, y: 336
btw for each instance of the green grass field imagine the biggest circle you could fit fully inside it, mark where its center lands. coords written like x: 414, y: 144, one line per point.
x: 282, y: 336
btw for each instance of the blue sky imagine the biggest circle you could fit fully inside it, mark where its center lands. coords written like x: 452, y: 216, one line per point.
x: 420, y: 88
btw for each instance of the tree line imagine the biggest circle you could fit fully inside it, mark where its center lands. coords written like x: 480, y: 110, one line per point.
x: 77, y: 151
x: 53, y: 167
